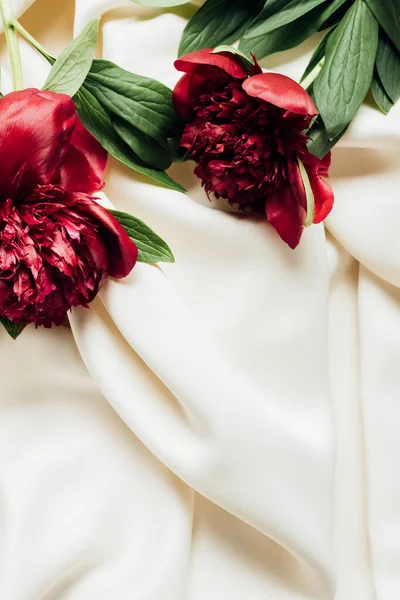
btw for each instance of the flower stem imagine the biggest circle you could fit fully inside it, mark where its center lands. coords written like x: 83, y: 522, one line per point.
x: 311, y: 77
x: 309, y: 194
x: 12, y: 44
x: 29, y: 38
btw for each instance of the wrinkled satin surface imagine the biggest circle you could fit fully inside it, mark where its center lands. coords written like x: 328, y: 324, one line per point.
x: 225, y: 427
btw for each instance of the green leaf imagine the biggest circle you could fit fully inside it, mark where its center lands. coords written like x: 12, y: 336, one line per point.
x: 379, y: 94
x: 218, y: 22
x: 71, y: 67
x: 225, y: 48
x: 13, y: 329
x: 292, y: 34
x: 177, y: 152
x: 319, y: 143
x: 281, y: 39
x: 387, y: 13
x: 151, y: 247
x: 388, y: 66
x: 248, y: 62
x: 337, y: 15
x: 277, y: 13
x: 142, y: 102
x: 318, y: 54
x: 97, y: 121
x: 149, y: 150
x: 160, y: 3
x: 347, y: 73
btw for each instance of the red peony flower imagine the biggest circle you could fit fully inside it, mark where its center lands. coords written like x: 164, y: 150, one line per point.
x: 247, y: 132
x: 57, y: 244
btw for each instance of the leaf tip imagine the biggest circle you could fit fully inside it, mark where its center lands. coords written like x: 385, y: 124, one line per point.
x: 13, y: 329
x: 170, y: 257
x: 174, y: 185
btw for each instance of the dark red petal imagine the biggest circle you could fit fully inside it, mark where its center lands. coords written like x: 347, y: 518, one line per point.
x: 122, y: 252
x: 187, y: 90
x: 196, y: 61
x: 84, y: 164
x: 285, y: 216
x: 285, y: 206
x: 35, y: 129
x: 280, y: 91
x: 323, y: 198
x: 255, y: 68
x: 323, y: 195
x: 323, y: 164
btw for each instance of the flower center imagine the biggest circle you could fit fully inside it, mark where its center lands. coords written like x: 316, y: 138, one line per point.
x: 242, y: 144
x: 47, y: 264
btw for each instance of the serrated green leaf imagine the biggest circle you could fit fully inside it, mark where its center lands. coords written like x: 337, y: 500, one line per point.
x: 347, y: 73
x: 387, y: 13
x: 318, y: 54
x: 143, y: 102
x: 160, y: 3
x: 13, y: 329
x: 319, y: 143
x: 97, y: 121
x: 151, y: 247
x: 388, y: 66
x: 292, y: 34
x: 71, y: 67
x: 218, y: 22
x: 277, y: 13
x: 149, y: 150
x: 379, y: 94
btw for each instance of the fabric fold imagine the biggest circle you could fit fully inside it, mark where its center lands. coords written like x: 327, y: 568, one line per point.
x: 223, y: 442
x: 194, y: 456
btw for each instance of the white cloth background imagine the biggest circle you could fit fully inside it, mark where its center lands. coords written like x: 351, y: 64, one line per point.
x: 231, y: 430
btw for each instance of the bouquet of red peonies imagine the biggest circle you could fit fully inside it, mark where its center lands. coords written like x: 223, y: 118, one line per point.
x: 246, y: 130
x: 260, y: 140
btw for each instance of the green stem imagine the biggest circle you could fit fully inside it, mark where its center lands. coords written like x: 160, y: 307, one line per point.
x: 309, y: 194
x: 29, y: 38
x: 311, y: 77
x: 12, y: 44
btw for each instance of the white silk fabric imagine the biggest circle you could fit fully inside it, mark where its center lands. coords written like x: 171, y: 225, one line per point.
x: 226, y: 426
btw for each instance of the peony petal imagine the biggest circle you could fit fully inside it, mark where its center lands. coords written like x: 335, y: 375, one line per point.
x: 255, y: 68
x: 198, y: 61
x: 285, y: 216
x: 122, y: 252
x: 323, y: 195
x: 280, y: 91
x: 84, y: 164
x: 187, y: 90
x: 35, y: 130
x: 323, y: 164
x: 285, y: 206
